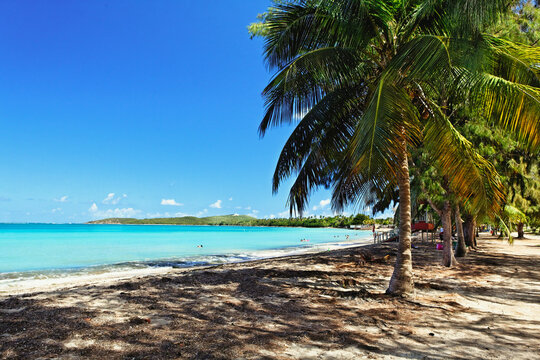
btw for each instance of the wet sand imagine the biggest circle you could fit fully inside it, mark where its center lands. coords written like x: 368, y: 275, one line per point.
x: 329, y: 305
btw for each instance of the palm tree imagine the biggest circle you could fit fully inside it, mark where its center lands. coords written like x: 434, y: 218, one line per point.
x: 369, y: 80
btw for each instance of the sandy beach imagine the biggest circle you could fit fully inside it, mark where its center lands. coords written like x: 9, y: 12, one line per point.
x: 328, y: 305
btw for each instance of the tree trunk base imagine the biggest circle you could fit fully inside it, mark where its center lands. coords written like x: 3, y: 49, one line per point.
x: 460, y: 252
x: 521, y: 233
x: 449, y: 263
x: 402, y: 288
x: 401, y: 283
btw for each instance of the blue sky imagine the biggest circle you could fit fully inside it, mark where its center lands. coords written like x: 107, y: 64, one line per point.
x: 134, y: 108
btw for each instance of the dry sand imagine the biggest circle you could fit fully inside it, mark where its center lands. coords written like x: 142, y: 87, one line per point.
x: 329, y: 305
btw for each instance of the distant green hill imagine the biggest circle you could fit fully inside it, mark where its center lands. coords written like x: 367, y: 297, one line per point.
x: 337, y: 221
x: 185, y: 220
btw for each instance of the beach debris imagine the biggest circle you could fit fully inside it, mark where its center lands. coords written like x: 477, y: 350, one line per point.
x: 129, y: 285
x: 139, y: 321
x: 12, y: 311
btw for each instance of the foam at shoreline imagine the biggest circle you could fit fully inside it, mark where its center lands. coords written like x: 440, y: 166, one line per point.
x: 17, y: 283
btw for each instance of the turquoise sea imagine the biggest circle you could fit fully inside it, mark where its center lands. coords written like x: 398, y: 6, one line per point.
x: 32, y: 249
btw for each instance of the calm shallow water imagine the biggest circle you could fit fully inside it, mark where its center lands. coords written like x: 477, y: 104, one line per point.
x: 47, y: 249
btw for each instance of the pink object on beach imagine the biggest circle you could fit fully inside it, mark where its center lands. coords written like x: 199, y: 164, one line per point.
x: 440, y: 246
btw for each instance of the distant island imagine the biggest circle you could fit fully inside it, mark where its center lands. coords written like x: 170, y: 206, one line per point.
x: 338, y: 221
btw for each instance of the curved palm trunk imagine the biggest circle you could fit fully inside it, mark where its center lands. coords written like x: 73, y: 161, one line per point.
x: 448, y: 253
x: 401, y: 282
x: 461, y: 247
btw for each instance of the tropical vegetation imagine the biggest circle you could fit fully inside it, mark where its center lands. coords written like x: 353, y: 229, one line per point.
x: 338, y: 221
x: 375, y: 86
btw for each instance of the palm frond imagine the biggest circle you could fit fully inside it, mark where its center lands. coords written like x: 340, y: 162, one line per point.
x: 513, y: 106
x: 372, y: 157
x: 293, y: 29
x: 316, y: 171
x: 425, y: 58
x: 470, y: 176
x: 305, y: 81
x: 426, y: 17
x: 471, y: 17
x: 326, y: 128
x: 389, y: 118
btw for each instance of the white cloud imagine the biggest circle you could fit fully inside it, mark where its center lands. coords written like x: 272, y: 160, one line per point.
x: 236, y: 214
x: 170, y: 202
x: 230, y: 199
x: 110, y: 199
x: 202, y: 212
x: 322, y: 204
x: 55, y: 210
x: 166, y: 214
x: 156, y: 215
x: 284, y: 214
x: 216, y: 205
x: 272, y: 216
x: 62, y: 199
x: 118, y: 213
x: 255, y: 211
x: 248, y: 207
x: 124, y: 212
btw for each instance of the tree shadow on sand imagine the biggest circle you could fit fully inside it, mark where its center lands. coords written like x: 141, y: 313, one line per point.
x: 322, y: 304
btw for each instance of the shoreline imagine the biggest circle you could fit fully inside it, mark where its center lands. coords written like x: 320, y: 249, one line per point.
x: 100, y: 275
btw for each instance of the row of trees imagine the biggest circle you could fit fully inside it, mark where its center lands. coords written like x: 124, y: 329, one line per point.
x: 337, y: 221
x: 390, y: 98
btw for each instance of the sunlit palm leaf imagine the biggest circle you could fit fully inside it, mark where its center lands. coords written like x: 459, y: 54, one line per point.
x: 470, y: 176
x: 514, y: 106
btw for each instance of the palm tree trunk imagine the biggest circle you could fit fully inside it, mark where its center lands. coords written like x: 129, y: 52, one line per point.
x: 401, y: 282
x: 467, y: 231
x: 448, y: 253
x: 475, y: 244
x: 461, y: 247
x: 521, y: 233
